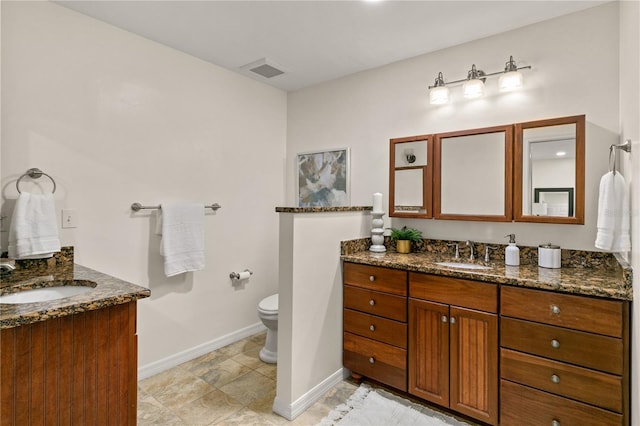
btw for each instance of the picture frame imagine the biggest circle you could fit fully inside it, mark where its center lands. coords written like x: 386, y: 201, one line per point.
x: 323, y: 178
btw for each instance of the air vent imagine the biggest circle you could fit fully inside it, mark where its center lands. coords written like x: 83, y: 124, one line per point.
x: 263, y: 68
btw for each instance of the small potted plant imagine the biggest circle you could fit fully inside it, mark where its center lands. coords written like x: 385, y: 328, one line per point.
x: 403, y: 238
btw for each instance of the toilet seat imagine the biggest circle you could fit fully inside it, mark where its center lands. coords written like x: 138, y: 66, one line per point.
x: 269, y: 305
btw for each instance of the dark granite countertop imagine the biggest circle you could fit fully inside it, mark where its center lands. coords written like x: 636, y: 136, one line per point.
x: 612, y: 280
x: 108, y: 291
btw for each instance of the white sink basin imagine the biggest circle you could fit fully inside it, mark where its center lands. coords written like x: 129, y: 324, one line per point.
x: 45, y: 294
x: 463, y: 265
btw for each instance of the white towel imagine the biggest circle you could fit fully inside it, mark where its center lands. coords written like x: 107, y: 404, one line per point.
x: 33, y: 233
x: 182, y: 242
x: 613, y: 214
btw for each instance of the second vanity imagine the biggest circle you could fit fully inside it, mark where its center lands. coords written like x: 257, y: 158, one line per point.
x: 70, y: 360
x: 503, y: 345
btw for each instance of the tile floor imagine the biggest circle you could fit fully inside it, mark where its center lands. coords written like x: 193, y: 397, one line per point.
x: 230, y: 386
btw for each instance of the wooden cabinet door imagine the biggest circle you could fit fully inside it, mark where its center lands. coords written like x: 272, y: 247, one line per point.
x: 429, y: 351
x: 474, y: 364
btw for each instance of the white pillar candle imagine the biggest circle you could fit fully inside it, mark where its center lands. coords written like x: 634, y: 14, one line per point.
x: 377, y: 202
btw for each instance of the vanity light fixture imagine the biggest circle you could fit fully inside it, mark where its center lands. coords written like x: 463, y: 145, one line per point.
x: 473, y: 86
x: 561, y: 154
x: 439, y: 93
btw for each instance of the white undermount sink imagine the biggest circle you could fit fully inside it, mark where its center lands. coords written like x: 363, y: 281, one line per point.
x: 46, y: 294
x: 462, y: 265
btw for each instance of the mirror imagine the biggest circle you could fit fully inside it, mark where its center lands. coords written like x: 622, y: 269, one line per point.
x: 472, y: 174
x: 549, y: 171
x: 410, y: 177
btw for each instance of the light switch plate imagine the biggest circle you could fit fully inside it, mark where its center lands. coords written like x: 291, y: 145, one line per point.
x: 69, y: 218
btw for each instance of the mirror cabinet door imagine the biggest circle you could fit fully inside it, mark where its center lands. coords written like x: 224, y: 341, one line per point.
x: 410, y: 177
x: 472, y: 174
x: 549, y: 170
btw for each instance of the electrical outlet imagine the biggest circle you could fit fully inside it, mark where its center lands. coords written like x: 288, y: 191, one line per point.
x: 69, y: 218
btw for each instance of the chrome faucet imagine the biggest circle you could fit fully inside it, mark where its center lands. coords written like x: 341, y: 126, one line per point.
x: 6, y: 267
x: 487, y: 248
x: 472, y: 250
x: 457, y: 255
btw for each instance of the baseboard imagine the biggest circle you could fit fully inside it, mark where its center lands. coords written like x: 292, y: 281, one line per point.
x: 293, y: 410
x: 159, y: 366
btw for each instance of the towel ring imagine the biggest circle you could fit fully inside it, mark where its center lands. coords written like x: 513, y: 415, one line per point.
x: 35, y: 173
x: 612, y: 155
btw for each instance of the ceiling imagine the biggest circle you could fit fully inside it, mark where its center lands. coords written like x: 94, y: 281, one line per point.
x: 316, y: 41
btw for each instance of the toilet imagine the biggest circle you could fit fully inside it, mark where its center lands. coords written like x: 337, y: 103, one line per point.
x: 268, y: 313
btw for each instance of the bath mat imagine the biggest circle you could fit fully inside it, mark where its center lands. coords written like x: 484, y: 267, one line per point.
x: 376, y: 407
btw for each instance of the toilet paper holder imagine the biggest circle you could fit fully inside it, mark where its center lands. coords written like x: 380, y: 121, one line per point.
x: 240, y: 275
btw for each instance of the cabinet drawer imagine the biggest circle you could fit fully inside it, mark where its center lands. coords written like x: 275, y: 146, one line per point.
x: 593, y: 387
x: 454, y: 291
x: 523, y: 406
x: 374, y: 302
x: 564, y: 310
x: 384, y: 363
x: 387, y: 280
x: 376, y: 328
x: 576, y: 347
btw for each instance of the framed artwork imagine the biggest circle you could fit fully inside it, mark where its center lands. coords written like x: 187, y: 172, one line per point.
x: 323, y: 178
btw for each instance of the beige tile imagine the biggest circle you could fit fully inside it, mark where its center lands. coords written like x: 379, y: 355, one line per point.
x: 151, y: 412
x: 207, y: 409
x: 204, y: 363
x: 312, y: 415
x: 249, y: 387
x: 250, y: 358
x: 184, y: 388
x: 259, y: 339
x: 161, y: 381
x: 269, y: 370
x: 248, y: 417
x: 236, y: 348
x: 225, y: 372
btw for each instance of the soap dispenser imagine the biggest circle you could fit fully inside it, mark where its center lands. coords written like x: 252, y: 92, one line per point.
x: 512, y: 252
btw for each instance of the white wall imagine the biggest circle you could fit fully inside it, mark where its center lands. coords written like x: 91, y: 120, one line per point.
x: 575, y: 71
x: 115, y: 119
x: 630, y: 129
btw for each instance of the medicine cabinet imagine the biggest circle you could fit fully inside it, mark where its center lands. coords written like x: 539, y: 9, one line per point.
x: 472, y: 174
x: 528, y: 172
x: 411, y: 177
x: 549, y: 169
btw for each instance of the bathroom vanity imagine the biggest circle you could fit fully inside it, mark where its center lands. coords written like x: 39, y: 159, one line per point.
x: 71, y: 360
x: 504, y: 345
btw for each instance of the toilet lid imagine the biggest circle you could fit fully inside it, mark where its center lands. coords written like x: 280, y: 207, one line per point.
x: 269, y: 303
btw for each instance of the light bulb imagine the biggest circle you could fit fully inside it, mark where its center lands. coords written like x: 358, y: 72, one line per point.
x: 439, y: 95
x: 473, y: 88
x: 510, y: 81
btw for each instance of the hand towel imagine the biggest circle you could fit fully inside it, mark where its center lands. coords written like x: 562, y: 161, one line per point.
x: 613, y: 214
x: 182, y: 242
x: 33, y: 233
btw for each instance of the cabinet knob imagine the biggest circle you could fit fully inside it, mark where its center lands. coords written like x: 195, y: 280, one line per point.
x: 372, y: 278
x: 555, y: 422
x: 444, y: 318
x: 371, y: 360
x: 372, y: 302
x: 555, y: 344
x: 453, y: 320
x: 555, y: 309
x: 372, y: 327
x: 555, y: 378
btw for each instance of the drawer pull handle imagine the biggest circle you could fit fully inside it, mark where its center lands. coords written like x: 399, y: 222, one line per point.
x: 453, y: 320
x: 372, y: 327
x: 555, y: 344
x: 372, y: 278
x: 555, y: 422
x: 555, y: 379
x: 372, y: 360
x: 555, y: 309
x: 444, y: 318
x: 372, y: 302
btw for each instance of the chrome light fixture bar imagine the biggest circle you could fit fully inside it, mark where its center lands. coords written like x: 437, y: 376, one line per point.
x: 473, y: 85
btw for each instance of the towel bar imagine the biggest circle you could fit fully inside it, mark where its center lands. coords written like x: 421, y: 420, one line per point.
x: 137, y: 207
x: 35, y: 173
